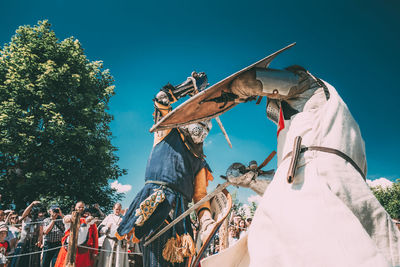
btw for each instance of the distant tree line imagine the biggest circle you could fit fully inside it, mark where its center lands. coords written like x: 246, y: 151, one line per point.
x: 389, y: 197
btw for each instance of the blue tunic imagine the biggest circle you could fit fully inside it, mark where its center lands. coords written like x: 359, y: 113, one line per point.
x: 171, y: 161
x: 173, y: 164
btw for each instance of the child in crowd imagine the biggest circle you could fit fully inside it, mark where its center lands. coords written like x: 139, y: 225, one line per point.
x: 4, y: 245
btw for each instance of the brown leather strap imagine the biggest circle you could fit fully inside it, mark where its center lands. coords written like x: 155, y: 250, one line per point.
x: 267, y: 160
x: 201, y: 209
x: 259, y: 100
x: 332, y: 151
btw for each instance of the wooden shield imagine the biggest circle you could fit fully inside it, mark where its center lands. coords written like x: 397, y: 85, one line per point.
x: 197, y: 108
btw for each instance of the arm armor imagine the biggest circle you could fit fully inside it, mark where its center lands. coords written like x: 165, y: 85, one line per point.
x: 195, y: 83
x: 169, y: 94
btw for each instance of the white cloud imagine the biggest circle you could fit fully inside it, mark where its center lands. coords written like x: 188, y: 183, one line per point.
x: 121, y: 188
x: 254, y: 198
x: 381, y: 181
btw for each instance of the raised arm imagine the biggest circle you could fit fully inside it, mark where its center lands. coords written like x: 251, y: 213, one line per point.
x: 28, y: 209
x: 9, y: 216
x: 169, y: 94
x: 97, y: 207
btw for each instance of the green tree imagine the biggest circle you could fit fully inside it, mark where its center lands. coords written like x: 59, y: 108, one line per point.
x: 237, y: 206
x: 389, y: 198
x: 253, y: 208
x: 55, y: 139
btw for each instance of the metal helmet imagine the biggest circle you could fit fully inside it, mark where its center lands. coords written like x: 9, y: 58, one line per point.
x: 277, y: 83
x: 198, y: 131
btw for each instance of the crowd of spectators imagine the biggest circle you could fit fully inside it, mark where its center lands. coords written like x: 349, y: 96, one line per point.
x: 237, y: 228
x: 36, y: 236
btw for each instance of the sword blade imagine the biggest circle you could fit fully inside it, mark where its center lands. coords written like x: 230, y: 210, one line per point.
x: 188, y: 211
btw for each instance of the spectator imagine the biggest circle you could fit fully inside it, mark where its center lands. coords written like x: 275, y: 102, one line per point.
x: 236, y: 220
x: 216, y: 245
x: 87, y: 213
x: 4, y: 245
x: 108, y: 227
x: 248, y: 222
x: 397, y: 222
x: 98, y: 210
x: 41, y: 216
x: 13, y: 218
x: 28, y: 239
x: 2, y: 216
x: 233, y: 236
x: 242, y: 228
x: 10, y: 238
x: 8, y: 214
x: 87, y: 240
x: 216, y: 250
x: 13, y: 230
x: 53, y: 231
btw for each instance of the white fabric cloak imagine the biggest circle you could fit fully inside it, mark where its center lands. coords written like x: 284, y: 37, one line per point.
x: 328, y: 216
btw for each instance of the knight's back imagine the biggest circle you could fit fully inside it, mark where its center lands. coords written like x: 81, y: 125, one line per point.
x: 324, y: 121
x: 172, y: 162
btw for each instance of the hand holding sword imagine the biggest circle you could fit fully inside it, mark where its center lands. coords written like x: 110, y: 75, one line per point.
x: 247, y: 179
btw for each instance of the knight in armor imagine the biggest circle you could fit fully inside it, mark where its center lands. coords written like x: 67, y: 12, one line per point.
x: 176, y: 174
x: 318, y: 210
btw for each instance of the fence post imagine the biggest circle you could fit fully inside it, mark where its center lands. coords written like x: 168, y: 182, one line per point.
x: 73, y: 239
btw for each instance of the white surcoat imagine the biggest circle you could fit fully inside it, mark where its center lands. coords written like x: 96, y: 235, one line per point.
x: 328, y: 216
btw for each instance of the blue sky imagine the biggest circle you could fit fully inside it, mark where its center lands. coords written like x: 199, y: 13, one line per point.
x: 354, y: 45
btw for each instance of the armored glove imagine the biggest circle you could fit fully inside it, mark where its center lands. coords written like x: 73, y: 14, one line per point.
x: 207, y: 224
x: 242, y: 176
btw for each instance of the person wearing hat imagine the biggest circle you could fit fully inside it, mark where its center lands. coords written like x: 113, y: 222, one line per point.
x: 4, y: 245
x: 53, y: 232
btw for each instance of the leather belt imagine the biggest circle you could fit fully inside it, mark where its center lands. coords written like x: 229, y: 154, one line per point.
x: 297, y: 150
x: 170, y: 186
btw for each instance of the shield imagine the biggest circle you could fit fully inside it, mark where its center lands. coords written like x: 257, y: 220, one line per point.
x: 211, y: 102
x: 221, y: 205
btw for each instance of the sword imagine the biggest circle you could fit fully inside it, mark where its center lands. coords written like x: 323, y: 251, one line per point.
x: 188, y: 211
x: 223, y: 131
